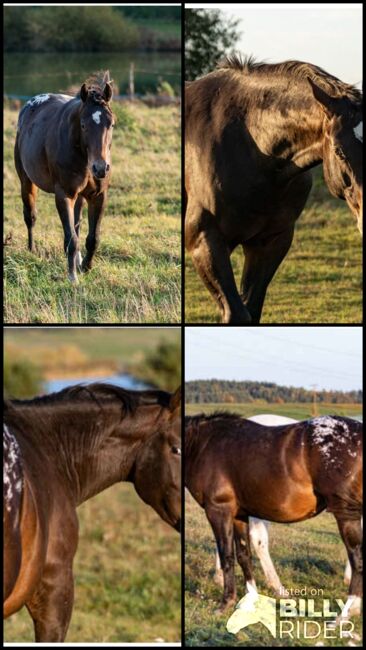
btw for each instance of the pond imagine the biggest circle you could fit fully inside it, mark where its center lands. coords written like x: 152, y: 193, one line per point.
x: 124, y: 380
x: 28, y: 74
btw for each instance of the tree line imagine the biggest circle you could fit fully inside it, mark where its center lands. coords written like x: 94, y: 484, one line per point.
x: 243, y: 392
x: 89, y: 29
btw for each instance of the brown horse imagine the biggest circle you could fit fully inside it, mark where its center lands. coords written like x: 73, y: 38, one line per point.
x: 252, y: 133
x: 59, y: 451
x: 236, y: 468
x: 63, y: 147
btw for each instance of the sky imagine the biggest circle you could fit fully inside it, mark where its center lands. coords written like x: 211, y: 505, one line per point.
x: 328, y: 35
x: 327, y: 357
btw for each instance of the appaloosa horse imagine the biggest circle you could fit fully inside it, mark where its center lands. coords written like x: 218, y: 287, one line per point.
x: 63, y: 147
x: 59, y: 451
x: 259, y: 529
x: 236, y: 468
x: 252, y: 133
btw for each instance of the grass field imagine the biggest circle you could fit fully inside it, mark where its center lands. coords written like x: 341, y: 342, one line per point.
x: 137, y: 270
x: 296, y: 410
x: 320, y: 280
x: 307, y: 555
x: 127, y: 572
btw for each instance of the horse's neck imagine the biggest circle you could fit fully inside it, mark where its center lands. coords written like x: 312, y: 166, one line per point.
x: 95, y: 461
x: 295, y: 138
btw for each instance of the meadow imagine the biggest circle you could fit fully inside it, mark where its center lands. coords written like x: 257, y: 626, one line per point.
x: 320, y: 280
x: 137, y: 270
x: 308, y: 554
x: 127, y: 575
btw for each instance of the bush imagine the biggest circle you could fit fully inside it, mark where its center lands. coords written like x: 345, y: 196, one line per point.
x: 162, y: 367
x: 22, y: 379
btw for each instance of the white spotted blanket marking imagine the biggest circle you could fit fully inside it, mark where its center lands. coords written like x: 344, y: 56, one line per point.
x: 13, y: 474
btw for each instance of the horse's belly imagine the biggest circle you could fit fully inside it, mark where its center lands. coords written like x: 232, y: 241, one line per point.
x: 288, y: 505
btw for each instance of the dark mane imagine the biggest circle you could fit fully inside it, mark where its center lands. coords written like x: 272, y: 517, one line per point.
x: 99, y: 393
x: 194, y: 419
x: 299, y: 69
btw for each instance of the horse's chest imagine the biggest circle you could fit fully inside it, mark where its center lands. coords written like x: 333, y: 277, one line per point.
x: 13, y: 473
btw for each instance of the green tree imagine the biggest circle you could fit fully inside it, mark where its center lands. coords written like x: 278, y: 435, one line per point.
x: 208, y: 36
x: 161, y: 367
x: 22, y: 379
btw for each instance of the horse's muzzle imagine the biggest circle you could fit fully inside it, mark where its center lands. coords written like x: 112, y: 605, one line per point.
x: 100, y: 170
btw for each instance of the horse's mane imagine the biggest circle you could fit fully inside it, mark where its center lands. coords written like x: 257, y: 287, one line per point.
x: 298, y: 69
x: 99, y: 393
x: 96, y: 84
x: 203, y: 417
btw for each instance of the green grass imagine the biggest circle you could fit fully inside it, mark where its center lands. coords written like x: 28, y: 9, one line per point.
x: 308, y: 554
x: 296, y: 410
x: 137, y: 270
x: 127, y: 572
x: 320, y: 280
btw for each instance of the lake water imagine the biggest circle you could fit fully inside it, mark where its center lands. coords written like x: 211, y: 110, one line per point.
x: 27, y: 74
x: 125, y: 381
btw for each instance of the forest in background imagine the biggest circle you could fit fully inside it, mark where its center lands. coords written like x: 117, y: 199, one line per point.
x: 92, y: 29
x: 242, y: 392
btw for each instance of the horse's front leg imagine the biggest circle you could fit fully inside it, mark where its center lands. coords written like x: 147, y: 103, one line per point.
x: 51, y: 604
x: 243, y: 553
x: 79, y: 204
x: 221, y: 521
x: 211, y: 257
x: 65, y: 206
x: 95, y: 212
x: 263, y: 255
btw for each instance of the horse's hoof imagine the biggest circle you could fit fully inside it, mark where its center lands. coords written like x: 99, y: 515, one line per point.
x: 225, y: 605
x: 73, y: 278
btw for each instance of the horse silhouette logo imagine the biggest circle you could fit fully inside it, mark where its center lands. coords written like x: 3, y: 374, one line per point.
x: 253, y: 608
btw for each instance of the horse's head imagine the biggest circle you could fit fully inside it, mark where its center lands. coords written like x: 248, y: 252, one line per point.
x: 96, y: 125
x: 157, y: 476
x: 342, y: 150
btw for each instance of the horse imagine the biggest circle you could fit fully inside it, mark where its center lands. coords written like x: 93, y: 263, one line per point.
x: 253, y: 131
x: 59, y: 451
x: 235, y: 468
x: 259, y: 530
x: 63, y: 147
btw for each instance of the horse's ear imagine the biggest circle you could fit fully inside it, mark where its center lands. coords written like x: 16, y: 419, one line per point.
x: 175, y: 400
x: 330, y: 105
x: 83, y: 93
x: 107, y: 93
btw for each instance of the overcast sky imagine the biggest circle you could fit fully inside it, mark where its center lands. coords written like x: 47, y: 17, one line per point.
x: 330, y: 357
x: 329, y: 35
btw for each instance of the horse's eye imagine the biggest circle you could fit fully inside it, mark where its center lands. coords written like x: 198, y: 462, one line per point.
x: 176, y: 450
x: 82, y: 125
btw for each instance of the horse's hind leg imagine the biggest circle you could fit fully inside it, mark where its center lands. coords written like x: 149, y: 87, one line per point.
x: 259, y: 538
x: 221, y: 522
x: 351, y: 533
x: 29, y: 195
x: 211, y: 258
